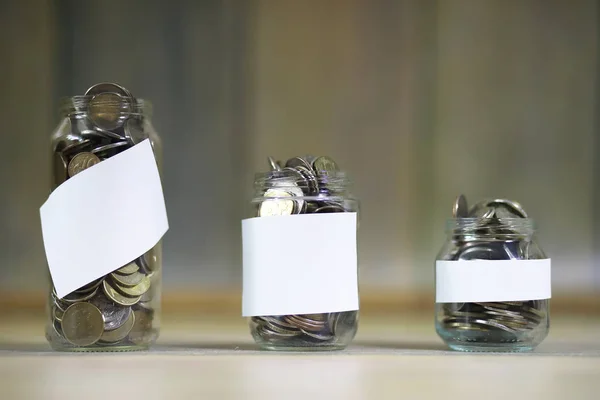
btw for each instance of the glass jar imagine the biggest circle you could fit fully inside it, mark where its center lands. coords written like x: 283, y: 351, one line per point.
x: 305, y: 185
x: 121, y: 310
x: 492, y: 281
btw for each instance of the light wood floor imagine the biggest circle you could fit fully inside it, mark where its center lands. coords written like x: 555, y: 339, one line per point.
x: 209, y: 357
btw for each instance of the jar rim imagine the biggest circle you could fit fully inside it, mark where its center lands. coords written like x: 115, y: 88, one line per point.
x: 73, y: 105
x: 336, y: 178
x: 467, y: 224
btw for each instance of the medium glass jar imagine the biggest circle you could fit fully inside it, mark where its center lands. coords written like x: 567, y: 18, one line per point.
x: 121, y: 310
x: 305, y: 185
x: 492, y: 281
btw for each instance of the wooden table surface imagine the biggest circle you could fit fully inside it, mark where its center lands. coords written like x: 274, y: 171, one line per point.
x: 209, y: 357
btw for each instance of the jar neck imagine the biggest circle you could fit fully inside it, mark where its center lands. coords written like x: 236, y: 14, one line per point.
x: 107, y: 103
x: 490, y: 229
x: 303, y: 183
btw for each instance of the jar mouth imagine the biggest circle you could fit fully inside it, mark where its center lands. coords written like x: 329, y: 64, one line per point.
x: 292, y: 178
x: 113, y: 103
x: 468, y: 225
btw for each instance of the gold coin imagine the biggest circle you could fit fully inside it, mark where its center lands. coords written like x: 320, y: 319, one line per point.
x: 127, y: 269
x: 89, y: 287
x: 106, y: 109
x: 128, y: 280
x: 57, y: 313
x: 120, y: 333
x: 133, y: 291
x: 76, y: 297
x: 82, y: 324
x: 117, y: 297
x: 81, y: 162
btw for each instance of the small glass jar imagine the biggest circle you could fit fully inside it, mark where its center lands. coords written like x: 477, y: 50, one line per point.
x: 513, y: 325
x: 305, y: 185
x: 120, y: 311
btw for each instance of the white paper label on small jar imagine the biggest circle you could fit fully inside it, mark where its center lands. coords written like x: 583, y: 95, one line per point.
x: 103, y: 218
x: 492, y: 280
x: 299, y: 264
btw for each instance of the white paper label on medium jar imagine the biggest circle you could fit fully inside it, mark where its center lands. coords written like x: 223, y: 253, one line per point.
x: 299, y: 264
x: 103, y: 218
x: 492, y: 280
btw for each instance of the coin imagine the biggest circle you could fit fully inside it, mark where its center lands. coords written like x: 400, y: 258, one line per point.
x: 82, y: 324
x: 277, y: 207
x: 274, y: 164
x: 57, y: 313
x: 133, y: 291
x: 106, y: 110
x: 111, y: 146
x: 113, y: 314
x: 515, y: 209
x: 461, y: 208
x: 128, y: 280
x: 107, y: 87
x: 127, y: 269
x: 298, y: 161
x: 120, y: 333
x: 81, y: 162
x: 117, y: 297
x: 325, y: 164
x: 75, y: 297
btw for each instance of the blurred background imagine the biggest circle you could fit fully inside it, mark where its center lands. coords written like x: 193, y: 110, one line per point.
x: 418, y: 100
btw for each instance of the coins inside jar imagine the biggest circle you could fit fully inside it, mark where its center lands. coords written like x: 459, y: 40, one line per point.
x: 307, y: 330
x: 107, y: 120
x: 303, y: 186
x: 491, y: 233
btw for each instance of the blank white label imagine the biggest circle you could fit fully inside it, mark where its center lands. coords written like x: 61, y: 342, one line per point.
x: 300, y: 264
x: 487, y: 280
x: 103, y: 218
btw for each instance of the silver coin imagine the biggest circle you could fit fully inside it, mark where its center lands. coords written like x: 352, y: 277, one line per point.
x: 277, y: 202
x: 461, y: 208
x: 298, y: 161
x: 112, y: 146
x: 114, y: 315
x: 515, y: 209
x: 274, y: 165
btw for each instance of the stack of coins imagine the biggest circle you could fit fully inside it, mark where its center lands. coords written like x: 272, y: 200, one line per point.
x: 104, y: 122
x: 115, y: 309
x: 490, y: 237
x: 303, y: 185
x: 307, y: 330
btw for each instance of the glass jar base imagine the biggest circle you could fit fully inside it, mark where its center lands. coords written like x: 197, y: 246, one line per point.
x: 100, y: 349
x: 329, y: 347
x: 490, y: 347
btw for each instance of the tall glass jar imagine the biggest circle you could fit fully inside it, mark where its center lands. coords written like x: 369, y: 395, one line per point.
x: 305, y: 185
x: 119, y: 311
x: 492, y: 281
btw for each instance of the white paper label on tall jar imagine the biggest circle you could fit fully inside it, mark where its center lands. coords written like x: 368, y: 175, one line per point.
x: 299, y: 264
x: 103, y: 218
x: 492, y: 280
